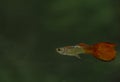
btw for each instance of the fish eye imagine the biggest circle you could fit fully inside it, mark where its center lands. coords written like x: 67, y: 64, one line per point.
x: 58, y: 49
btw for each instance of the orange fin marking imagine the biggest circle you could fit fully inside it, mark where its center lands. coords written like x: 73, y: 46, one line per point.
x: 88, y: 48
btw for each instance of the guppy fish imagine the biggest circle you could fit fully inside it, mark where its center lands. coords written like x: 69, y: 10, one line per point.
x: 104, y: 51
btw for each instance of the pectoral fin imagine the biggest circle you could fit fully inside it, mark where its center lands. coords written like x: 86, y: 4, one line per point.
x: 77, y: 56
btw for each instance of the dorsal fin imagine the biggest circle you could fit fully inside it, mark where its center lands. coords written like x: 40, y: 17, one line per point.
x: 83, y: 45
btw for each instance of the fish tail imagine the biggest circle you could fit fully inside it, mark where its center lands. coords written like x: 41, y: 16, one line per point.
x: 104, y: 51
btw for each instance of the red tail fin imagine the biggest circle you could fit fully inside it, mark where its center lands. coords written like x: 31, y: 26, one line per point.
x: 104, y: 51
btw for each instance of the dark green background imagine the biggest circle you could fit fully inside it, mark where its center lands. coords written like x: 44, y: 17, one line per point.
x: 30, y: 30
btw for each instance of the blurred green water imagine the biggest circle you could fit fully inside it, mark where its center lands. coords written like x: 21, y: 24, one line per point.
x: 31, y: 30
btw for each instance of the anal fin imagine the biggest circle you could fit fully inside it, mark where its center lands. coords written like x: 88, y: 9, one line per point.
x: 77, y: 56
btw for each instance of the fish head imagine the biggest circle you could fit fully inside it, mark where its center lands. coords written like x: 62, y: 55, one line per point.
x: 60, y: 50
x: 67, y: 50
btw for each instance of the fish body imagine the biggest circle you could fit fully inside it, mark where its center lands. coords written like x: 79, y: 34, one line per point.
x: 71, y: 50
x: 104, y: 50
